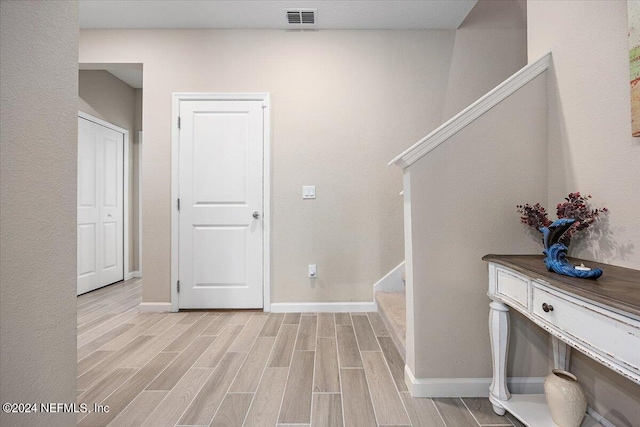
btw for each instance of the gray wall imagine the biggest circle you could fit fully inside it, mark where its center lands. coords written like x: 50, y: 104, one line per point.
x: 343, y: 104
x: 591, y: 150
x: 38, y: 156
x: 103, y: 95
x: 463, y: 197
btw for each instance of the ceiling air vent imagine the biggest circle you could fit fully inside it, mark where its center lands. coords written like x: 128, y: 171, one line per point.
x: 301, y: 16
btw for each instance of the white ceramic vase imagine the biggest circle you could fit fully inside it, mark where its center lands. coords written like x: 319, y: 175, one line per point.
x: 566, y: 398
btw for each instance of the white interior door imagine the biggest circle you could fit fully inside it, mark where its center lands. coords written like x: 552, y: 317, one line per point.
x: 100, y: 206
x: 221, y: 202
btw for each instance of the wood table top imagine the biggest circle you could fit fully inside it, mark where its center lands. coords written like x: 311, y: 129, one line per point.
x: 618, y: 287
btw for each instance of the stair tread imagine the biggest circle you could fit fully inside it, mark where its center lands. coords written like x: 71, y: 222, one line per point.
x: 393, y: 310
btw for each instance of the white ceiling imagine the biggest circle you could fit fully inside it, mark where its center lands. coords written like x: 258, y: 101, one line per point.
x: 400, y: 14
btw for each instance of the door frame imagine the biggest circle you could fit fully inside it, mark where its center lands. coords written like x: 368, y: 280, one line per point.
x: 177, y: 97
x: 126, y: 190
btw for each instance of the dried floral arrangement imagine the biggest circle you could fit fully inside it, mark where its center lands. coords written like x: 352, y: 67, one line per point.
x: 574, y: 207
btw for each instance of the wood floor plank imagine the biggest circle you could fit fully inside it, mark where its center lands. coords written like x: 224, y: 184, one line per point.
x: 181, y: 364
x: 248, y: 335
x: 326, y: 325
x: 422, y: 411
x: 395, y: 362
x: 292, y: 318
x: 482, y: 411
x: 169, y: 412
x: 233, y: 410
x: 327, y: 410
x: 138, y: 411
x: 283, y: 350
x: 153, y: 347
x: 166, y: 321
x: 206, y: 403
x: 191, y: 317
x: 378, y: 325
x: 180, y: 343
x: 454, y: 412
x: 386, y: 400
x: 218, y: 324
x: 126, y: 317
x: 103, y: 368
x: 240, y: 317
x: 306, y: 339
x: 119, y: 399
x: 127, y: 336
x: 364, y: 333
x: 296, y: 404
x: 272, y: 325
x: 92, y: 360
x: 343, y: 319
x: 85, y: 339
x: 103, y: 388
x: 327, y: 374
x: 251, y: 371
x: 98, y: 342
x: 358, y: 409
x: 266, y: 404
x: 213, y: 355
x: 348, y: 353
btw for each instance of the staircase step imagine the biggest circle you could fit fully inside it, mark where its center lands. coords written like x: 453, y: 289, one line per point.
x: 392, y: 307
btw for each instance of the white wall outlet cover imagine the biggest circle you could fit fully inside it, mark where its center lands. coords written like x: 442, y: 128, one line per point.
x: 308, y: 191
x: 313, y: 272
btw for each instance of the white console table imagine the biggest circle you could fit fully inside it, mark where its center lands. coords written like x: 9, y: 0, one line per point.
x: 600, y: 318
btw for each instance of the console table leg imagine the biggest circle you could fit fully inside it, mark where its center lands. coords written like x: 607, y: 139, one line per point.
x: 499, y: 334
x: 561, y: 354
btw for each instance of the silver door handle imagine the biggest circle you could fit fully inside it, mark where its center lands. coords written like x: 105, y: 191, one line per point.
x: 256, y: 215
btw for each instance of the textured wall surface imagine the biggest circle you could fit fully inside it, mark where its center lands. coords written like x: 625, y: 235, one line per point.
x: 343, y: 104
x: 38, y: 156
x: 454, y: 225
x: 591, y: 150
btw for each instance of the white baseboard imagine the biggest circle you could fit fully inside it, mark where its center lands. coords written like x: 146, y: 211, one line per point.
x: 155, y: 307
x: 322, y: 307
x: 137, y: 274
x: 392, y: 281
x: 130, y: 275
x: 467, y: 387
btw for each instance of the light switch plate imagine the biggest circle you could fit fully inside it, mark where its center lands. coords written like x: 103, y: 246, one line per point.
x: 313, y: 272
x: 308, y: 191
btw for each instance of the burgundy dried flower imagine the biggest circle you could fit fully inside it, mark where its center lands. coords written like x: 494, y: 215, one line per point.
x: 575, y: 207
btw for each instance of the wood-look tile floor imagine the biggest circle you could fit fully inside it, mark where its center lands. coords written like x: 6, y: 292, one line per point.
x: 248, y: 368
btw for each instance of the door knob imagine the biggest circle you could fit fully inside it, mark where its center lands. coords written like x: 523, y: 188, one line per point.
x: 547, y: 307
x: 256, y: 215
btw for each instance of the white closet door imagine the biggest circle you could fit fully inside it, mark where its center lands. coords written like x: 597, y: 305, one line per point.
x: 100, y: 206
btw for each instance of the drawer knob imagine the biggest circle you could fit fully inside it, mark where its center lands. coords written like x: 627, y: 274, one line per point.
x: 547, y: 307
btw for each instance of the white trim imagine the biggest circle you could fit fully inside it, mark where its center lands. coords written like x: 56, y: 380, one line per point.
x: 392, y: 281
x: 599, y: 418
x: 128, y: 276
x: 322, y: 307
x: 266, y: 182
x: 139, y: 204
x: 155, y: 307
x: 126, y: 184
x: 472, y: 112
x: 136, y: 274
x: 467, y: 387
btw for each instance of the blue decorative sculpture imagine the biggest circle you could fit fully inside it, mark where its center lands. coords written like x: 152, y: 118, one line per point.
x: 556, y: 253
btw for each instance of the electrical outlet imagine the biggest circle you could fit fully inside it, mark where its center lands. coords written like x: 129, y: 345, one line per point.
x: 313, y: 272
x: 308, y: 191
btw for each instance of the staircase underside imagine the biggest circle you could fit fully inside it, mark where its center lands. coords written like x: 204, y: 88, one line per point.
x: 392, y: 307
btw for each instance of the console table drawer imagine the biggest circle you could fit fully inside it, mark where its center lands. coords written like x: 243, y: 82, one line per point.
x: 614, y: 337
x: 513, y: 287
